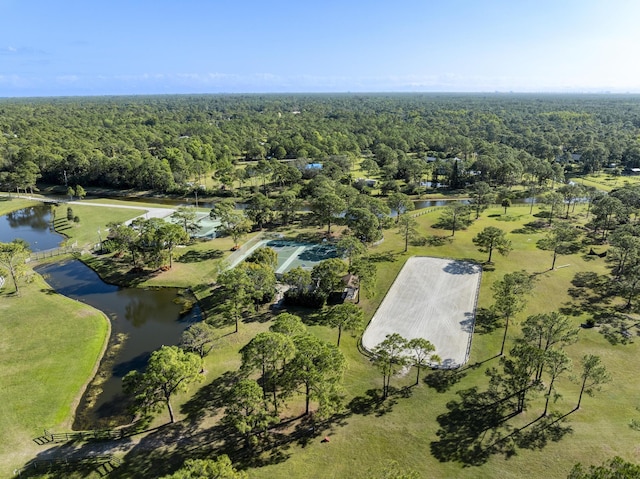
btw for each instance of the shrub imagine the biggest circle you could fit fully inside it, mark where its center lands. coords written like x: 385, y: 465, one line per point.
x: 306, y: 299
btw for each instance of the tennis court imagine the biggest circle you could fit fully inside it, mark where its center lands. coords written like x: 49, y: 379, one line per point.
x: 432, y: 298
x: 207, y: 227
x: 291, y: 254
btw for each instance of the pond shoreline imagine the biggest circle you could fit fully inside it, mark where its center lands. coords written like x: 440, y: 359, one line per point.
x: 141, y: 319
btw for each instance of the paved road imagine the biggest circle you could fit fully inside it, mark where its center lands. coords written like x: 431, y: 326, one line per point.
x: 150, y: 211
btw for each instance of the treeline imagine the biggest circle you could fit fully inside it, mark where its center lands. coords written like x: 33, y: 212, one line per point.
x: 166, y: 142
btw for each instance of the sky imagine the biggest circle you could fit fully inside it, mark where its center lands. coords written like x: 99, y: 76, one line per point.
x: 113, y: 47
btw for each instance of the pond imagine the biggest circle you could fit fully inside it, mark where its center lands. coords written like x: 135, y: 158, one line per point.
x: 142, y: 320
x: 32, y: 224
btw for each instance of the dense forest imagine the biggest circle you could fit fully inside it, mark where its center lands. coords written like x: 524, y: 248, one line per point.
x: 165, y: 143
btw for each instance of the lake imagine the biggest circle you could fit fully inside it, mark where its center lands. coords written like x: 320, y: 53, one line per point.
x: 32, y: 224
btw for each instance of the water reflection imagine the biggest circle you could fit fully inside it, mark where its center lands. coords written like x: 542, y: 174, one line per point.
x: 147, y: 318
x: 32, y: 224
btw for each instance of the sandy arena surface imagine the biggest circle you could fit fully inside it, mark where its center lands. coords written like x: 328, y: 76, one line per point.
x: 431, y: 298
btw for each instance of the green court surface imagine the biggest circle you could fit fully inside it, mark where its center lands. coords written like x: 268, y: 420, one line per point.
x: 291, y: 254
x: 207, y: 227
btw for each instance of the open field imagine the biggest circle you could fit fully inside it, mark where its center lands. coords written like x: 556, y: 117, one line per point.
x: 607, y: 182
x: 49, y: 345
x: 431, y: 298
x: 418, y: 426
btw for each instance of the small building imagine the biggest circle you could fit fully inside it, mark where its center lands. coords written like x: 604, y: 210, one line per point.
x: 366, y: 182
x: 313, y: 166
x: 351, y: 288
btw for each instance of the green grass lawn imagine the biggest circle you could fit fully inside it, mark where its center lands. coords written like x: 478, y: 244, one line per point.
x: 49, y: 346
x: 607, y: 182
x: 93, y: 221
x: 405, y: 428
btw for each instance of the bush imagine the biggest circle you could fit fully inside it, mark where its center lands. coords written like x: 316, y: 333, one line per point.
x: 436, y: 240
x: 418, y: 241
x: 76, y: 219
x: 306, y: 299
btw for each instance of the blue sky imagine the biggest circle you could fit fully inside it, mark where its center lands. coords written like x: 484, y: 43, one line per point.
x: 99, y: 47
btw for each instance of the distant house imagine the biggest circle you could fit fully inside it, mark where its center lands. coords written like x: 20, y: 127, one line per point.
x: 633, y: 171
x: 313, y: 166
x: 430, y: 159
x: 366, y: 182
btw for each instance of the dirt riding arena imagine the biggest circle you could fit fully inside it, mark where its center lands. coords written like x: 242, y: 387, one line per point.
x: 431, y: 298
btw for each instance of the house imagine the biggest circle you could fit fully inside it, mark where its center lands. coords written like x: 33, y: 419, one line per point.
x: 351, y: 288
x: 366, y: 182
x: 313, y: 166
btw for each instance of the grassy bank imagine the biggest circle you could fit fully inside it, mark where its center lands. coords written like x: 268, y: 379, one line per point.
x: 49, y: 345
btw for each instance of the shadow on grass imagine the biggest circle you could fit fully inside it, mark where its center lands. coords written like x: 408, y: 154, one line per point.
x: 551, y: 428
x: 476, y: 427
x: 76, y: 459
x: 472, y: 424
x: 210, y: 397
x: 595, y: 294
x: 163, y: 450
x: 532, y: 227
x: 119, y: 272
x: 383, y: 257
x: 198, y: 256
x: 487, y: 321
x: 444, y: 379
x: 373, y: 403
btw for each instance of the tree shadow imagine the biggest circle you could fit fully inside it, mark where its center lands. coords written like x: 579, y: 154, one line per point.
x: 532, y: 227
x: 617, y: 328
x: 119, y: 272
x: 595, y: 294
x: 211, y: 397
x: 164, y: 450
x: 373, y: 402
x: 85, y: 459
x: 199, y: 256
x: 551, y: 428
x: 487, y: 321
x: 467, y: 324
x: 472, y: 424
x: 258, y: 317
x: 443, y: 379
x: 462, y: 267
x: 383, y: 257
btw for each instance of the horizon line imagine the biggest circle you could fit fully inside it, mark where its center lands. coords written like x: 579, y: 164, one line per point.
x: 337, y: 93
